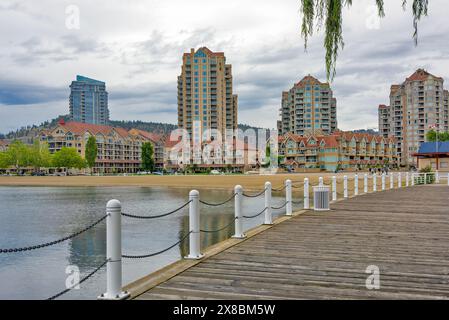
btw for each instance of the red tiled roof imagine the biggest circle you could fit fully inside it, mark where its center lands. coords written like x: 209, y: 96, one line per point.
x: 421, y: 75
x: 147, y: 135
x: 382, y: 106
x: 330, y: 141
x: 207, y: 51
x: 308, y: 80
x: 81, y: 128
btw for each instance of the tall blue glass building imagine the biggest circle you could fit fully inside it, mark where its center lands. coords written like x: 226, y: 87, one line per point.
x: 89, y: 101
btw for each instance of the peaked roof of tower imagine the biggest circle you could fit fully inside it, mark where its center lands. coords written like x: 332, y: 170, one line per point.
x: 207, y: 51
x: 88, y: 80
x: 421, y: 75
x: 308, y: 80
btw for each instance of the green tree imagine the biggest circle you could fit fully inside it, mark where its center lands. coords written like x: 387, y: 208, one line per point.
x: 91, y: 152
x: 431, y: 136
x: 68, y: 158
x: 4, y: 160
x: 328, y: 13
x: 147, y: 157
x: 18, y: 155
x: 39, y: 155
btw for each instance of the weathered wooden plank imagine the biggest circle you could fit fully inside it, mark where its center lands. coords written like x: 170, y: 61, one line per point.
x: 405, y: 232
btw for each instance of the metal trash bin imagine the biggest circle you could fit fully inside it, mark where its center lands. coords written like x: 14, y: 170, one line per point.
x: 321, y: 198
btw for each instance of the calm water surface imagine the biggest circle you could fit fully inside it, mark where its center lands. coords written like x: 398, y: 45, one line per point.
x: 34, y: 215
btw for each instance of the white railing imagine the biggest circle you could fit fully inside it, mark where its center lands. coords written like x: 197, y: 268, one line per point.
x: 114, y: 214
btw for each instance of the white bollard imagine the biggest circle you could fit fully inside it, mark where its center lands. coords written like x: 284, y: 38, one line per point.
x: 413, y: 179
x: 356, y: 184
x: 383, y: 181
x: 320, y: 181
x: 391, y: 180
x: 268, y: 210
x: 288, y: 197
x: 114, y: 252
x: 194, y: 225
x: 425, y: 178
x: 374, y: 182
x: 399, y: 180
x: 306, y: 193
x: 365, y: 183
x: 407, y: 178
x: 345, y: 186
x: 334, y: 188
x: 238, y: 213
x: 437, y: 176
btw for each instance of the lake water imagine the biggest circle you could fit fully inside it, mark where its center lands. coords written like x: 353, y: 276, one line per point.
x: 34, y: 215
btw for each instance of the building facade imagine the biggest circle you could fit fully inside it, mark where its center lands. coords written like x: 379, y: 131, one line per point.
x: 433, y: 155
x: 416, y: 105
x: 205, y: 93
x: 341, y: 150
x: 89, y: 101
x: 118, y: 150
x: 158, y: 142
x: 308, y: 108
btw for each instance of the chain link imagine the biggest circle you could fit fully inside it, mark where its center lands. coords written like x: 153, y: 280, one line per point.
x: 80, y: 282
x: 158, y: 216
x: 256, y: 215
x: 159, y: 252
x: 218, y: 204
x: 48, y: 244
x: 279, y: 189
x: 255, y: 195
x: 221, y: 229
x: 277, y: 208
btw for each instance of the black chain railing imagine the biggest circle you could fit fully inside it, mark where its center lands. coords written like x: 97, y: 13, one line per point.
x: 79, y: 282
x: 156, y: 216
x: 218, y: 204
x: 277, y: 208
x: 256, y: 215
x: 159, y: 252
x: 255, y: 195
x: 279, y: 189
x: 221, y: 229
x: 48, y: 244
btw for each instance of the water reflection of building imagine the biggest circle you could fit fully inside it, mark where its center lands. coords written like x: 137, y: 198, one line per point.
x: 208, y: 222
x: 89, y: 248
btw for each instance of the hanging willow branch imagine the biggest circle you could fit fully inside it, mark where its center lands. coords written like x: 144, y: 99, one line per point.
x: 329, y: 14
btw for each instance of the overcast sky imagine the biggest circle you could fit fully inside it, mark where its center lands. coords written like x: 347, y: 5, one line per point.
x: 136, y: 48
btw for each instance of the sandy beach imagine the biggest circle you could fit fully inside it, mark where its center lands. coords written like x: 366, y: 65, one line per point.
x: 249, y: 182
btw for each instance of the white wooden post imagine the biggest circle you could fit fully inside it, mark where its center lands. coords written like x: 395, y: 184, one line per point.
x: 288, y: 197
x: 383, y: 181
x: 448, y: 179
x: 345, y: 186
x: 413, y: 179
x: 320, y: 181
x: 365, y: 183
x: 268, y: 210
x: 356, y: 184
x: 437, y: 176
x: 374, y: 182
x: 238, y: 200
x: 425, y: 178
x: 114, y: 252
x: 306, y: 193
x: 399, y: 180
x: 194, y: 225
x: 391, y: 180
x: 407, y: 178
x: 334, y: 188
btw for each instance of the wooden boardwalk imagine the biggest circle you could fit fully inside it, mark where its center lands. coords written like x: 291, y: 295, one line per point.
x: 324, y: 255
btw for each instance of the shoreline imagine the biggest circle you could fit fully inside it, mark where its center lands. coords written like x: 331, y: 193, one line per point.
x: 248, y: 182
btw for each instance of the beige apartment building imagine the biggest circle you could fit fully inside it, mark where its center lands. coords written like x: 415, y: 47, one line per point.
x: 205, y: 94
x: 118, y: 150
x: 308, y: 108
x: 416, y: 105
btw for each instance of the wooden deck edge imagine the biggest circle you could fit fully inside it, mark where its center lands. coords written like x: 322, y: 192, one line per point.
x: 142, y: 285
